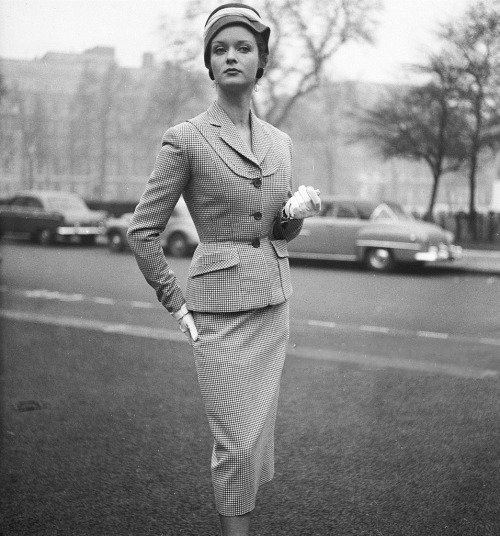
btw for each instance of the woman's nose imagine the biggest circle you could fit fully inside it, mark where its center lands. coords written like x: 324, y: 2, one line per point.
x: 231, y: 55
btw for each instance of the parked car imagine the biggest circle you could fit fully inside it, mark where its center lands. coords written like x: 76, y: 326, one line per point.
x: 380, y: 235
x: 178, y: 239
x: 46, y: 216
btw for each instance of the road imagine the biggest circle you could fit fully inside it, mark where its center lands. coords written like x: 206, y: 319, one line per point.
x: 388, y: 421
x: 438, y: 318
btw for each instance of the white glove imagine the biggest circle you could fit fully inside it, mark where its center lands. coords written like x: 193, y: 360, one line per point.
x: 188, y: 327
x: 304, y: 203
x: 186, y: 323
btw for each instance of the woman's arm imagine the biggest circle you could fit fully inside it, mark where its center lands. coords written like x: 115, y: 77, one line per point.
x: 165, y: 185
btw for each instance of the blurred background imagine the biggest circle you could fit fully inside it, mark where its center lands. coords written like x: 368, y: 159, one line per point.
x: 383, y: 99
x: 388, y: 419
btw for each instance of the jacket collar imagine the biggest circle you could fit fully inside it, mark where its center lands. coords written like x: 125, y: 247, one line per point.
x: 225, y: 134
x: 261, y: 141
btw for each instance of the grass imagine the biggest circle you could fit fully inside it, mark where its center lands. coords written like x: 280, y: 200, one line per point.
x: 119, y: 445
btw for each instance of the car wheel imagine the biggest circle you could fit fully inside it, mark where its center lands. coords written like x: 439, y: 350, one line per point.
x: 45, y: 237
x: 177, y: 245
x: 379, y: 259
x: 116, y: 242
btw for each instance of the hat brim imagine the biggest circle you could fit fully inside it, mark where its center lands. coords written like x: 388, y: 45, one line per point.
x: 230, y: 20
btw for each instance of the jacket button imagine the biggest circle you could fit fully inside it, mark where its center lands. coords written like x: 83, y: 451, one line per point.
x: 257, y: 182
x: 257, y: 215
x: 256, y: 243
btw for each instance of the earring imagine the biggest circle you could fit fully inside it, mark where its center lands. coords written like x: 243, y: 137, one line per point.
x: 256, y: 87
x: 260, y: 72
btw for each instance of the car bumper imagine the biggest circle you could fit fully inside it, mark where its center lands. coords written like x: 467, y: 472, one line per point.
x: 79, y: 231
x: 441, y: 253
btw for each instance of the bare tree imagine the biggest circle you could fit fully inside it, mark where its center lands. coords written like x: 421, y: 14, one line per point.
x: 32, y: 126
x: 418, y: 123
x: 3, y: 89
x: 471, y: 47
x: 305, y: 36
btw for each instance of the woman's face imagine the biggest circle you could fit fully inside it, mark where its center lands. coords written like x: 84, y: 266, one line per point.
x: 234, y: 58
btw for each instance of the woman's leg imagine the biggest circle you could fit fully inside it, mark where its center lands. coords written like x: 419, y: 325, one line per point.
x: 235, y: 525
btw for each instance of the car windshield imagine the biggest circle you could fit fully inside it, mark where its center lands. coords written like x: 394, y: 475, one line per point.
x: 389, y: 211
x: 65, y: 203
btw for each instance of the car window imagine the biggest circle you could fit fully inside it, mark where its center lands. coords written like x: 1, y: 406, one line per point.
x: 346, y: 210
x: 65, y: 203
x: 18, y: 202
x: 327, y: 210
x: 383, y: 212
x: 31, y: 202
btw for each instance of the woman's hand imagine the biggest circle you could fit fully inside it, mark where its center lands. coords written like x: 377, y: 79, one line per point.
x: 303, y: 204
x: 186, y: 323
x: 188, y: 327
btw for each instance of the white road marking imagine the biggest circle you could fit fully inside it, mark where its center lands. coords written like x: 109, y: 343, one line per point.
x: 375, y: 329
x: 104, y: 301
x: 383, y: 330
x: 321, y: 323
x: 403, y: 333
x: 433, y: 335
x: 365, y: 361
x: 94, y: 325
x: 142, y: 305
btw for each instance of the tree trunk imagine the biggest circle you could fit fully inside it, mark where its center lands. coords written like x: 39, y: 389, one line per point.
x: 429, y: 216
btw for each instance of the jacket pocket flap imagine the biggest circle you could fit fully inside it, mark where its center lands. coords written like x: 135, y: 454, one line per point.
x: 211, y: 262
x: 281, y: 248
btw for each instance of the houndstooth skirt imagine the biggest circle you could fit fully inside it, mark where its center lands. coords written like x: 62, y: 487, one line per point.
x: 239, y: 361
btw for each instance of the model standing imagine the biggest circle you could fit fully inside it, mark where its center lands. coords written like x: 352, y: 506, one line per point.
x: 234, y: 171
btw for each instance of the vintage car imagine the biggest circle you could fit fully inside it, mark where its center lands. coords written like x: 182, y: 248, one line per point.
x: 46, y: 216
x: 178, y: 239
x: 378, y: 234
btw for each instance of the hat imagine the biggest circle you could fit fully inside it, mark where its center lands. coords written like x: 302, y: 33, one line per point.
x: 234, y: 13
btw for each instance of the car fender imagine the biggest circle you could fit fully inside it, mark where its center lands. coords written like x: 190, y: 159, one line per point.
x: 400, y: 239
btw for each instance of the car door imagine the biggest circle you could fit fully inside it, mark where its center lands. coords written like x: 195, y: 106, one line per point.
x: 315, y: 236
x: 14, y: 215
x: 346, y: 224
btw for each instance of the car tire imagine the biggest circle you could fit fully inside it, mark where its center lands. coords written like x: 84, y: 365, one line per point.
x: 379, y: 259
x: 45, y: 237
x: 116, y: 242
x: 177, y: 245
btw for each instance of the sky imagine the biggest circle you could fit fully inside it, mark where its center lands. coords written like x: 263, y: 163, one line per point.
x: 30, y: 28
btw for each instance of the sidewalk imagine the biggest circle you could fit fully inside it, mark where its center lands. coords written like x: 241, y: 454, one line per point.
x: 480, y: 260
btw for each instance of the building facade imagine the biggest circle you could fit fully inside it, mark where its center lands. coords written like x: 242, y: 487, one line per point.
x: 82, y: 123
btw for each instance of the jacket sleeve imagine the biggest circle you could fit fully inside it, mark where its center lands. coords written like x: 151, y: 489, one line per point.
x: 167, y: 181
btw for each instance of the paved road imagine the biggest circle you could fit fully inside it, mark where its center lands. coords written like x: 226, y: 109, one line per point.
x: 442, y: 318
x: 388, y: 421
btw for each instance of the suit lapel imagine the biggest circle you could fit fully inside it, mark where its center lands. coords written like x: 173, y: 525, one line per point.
x: 222, y: 135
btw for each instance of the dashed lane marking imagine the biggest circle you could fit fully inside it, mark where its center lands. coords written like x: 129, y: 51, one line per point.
x: 382, y: 330
x: 401, y: 333
x: 365, y: 361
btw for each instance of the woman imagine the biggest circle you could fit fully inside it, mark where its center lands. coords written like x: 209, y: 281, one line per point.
x: 234, y: 172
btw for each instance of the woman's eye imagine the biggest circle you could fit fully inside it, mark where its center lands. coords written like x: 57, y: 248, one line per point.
x: 219, y: 51
x: 244, y: 49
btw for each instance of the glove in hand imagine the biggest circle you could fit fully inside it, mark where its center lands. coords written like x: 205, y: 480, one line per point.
x: 188, y: 327
x: 304, y: 203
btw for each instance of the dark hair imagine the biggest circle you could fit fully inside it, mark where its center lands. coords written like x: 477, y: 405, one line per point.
x: 262, y: 47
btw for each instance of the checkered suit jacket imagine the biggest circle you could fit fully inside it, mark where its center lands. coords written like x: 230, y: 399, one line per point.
x: 235, y: 197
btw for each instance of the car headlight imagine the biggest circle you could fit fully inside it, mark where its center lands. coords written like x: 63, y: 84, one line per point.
x: 450, y: 237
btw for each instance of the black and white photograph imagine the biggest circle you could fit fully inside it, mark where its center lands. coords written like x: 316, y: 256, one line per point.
x: 250, y: 268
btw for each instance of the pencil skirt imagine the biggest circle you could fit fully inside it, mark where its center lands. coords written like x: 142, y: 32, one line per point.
x: 239, y: 361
